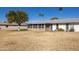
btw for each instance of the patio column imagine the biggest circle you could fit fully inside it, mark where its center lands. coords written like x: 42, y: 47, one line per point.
x: 32, y: 26
x: 37, y: 26
x: 44, y: 27
x: 27, y: 26
x: 40, y: 26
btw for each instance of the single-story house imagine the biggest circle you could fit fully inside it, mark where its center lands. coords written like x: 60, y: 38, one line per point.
x: 53, y: 25
x: 13, y: 26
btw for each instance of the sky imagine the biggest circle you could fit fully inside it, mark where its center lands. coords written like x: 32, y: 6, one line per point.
x: 49, y: 12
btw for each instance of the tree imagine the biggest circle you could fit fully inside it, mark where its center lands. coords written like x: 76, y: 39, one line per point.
x: 11, y: 16
x: 54, y: 18
x: 17, y: 17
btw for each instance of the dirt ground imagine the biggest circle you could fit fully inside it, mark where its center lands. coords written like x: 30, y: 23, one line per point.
x: 39, y: 41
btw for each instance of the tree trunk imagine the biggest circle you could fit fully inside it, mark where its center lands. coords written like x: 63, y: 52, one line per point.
x: 19, y: 27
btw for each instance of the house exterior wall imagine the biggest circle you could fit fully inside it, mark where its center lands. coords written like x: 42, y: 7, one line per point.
x: 70, y: 26
x: 62, y: 27
x: 12, y: 27
x: 76, y: 28
x: 53, y: 27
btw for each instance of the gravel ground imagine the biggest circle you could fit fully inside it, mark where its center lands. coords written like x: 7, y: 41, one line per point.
x: 39, y: 41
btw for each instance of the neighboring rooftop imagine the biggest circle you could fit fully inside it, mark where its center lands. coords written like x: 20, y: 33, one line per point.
x: 15, y: 24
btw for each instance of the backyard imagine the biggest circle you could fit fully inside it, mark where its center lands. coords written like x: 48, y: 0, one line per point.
x: 38, y: 41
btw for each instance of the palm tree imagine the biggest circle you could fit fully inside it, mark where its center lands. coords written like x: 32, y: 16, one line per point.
x: 17, y: 17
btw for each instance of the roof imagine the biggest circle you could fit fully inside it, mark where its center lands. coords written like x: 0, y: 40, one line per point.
x: 59, y: 21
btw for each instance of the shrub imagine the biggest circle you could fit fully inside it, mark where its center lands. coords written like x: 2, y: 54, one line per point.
x: 60, y: 29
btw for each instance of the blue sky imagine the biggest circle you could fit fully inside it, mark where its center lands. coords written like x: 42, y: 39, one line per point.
x: 49, y: 12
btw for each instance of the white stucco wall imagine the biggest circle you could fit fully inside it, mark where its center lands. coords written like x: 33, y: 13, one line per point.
x: 59, y: 26
x: 70, y: 26
x: 76, y: 28
x: 53, y: 27
x: 62, y: 27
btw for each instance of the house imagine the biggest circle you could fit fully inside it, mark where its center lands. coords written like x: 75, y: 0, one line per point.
x: 53, y: 25
x: 13, y: 26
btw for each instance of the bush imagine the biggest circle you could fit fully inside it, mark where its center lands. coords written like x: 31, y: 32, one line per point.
x: 23, y: 29
x: 60, y: 29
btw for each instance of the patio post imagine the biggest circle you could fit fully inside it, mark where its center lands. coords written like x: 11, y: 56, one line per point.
x: 32, y: 26
x: 44, y: 27
x: 37, y: 26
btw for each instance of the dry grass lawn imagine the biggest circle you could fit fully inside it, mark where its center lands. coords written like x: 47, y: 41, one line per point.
x: 38, y: 41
